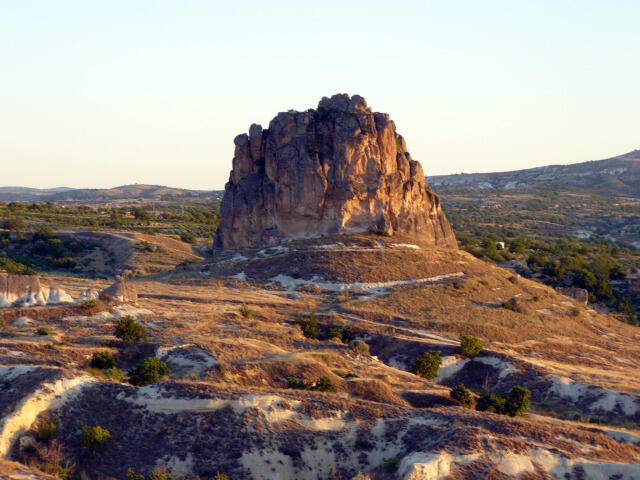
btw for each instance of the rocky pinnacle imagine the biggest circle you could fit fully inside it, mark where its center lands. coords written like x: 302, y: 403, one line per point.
x: 338, y: 169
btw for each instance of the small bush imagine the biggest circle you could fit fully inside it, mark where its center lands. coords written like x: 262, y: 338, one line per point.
x: 43, y: 331
x: 188, y: 237
x: 514, y: 305
x: 94, y: 436
x: 390, y: 465
x: 574, y: 312
x: 324, y: 384
x: 115, y: 374
x: 360, y: 347
x: 128, y: 330
x: 151, y: 370
x: 518, y: 401
x: 462, y: 396
x: 245, y: 311
x: 46, y: 430
x: 10, y: 266
x: 310, y: 326
x: 57, y: 470
x: 89, y: 307
x: 514, y: 404
x: 427, y: 365
x: 103, y: 360
x: 470, y: 346
x: 293, y: 382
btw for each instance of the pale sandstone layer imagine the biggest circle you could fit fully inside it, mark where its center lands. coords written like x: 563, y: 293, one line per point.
x: 336, y: 170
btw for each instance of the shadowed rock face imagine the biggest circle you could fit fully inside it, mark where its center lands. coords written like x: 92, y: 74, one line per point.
x: 338, y: 169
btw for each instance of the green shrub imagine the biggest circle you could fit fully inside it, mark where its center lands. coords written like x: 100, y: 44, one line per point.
x: 10, y: 266
x: 14, y: 224
x: 103, y: 360
x: 94, y: 436
x: 128, y: 330
x: 324, y: 384
x: 342, y: 333
x: 45, y: 430
x: 310, y: 326
x: 151, y: 370
x: 574, y: 312
x: 188, y: 237
x: 516, y: 403
x: 43, y: 331
x: 115, y: 374
x: 492, y: 402
x: 462, y: 396
x: 427, y: 365
x: 293, y: 382
x: 245, y: 311
x: 390, y: 465
x: 470, y: 346
x: 57, y: 470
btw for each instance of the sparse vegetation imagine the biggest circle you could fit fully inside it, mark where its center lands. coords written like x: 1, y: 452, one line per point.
x: 427, y: 365
x: 43, y: 331
x: 245, y: 311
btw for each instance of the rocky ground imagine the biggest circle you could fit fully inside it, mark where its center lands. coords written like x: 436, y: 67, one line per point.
x: 229, y: 329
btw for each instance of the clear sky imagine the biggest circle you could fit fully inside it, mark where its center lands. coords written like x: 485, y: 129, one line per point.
x: 104, y: 93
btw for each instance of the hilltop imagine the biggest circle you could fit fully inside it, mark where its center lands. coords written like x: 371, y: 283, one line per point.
x: 70, y: 195
x: 613, y: 176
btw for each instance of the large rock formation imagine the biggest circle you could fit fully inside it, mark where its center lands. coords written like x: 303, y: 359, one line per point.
x: 123, y: 291
x: 338, y: 169
x: 24, y: 289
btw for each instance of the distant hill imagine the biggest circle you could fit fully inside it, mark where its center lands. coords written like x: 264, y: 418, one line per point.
x: 618, y: 175
x: 61, y: 194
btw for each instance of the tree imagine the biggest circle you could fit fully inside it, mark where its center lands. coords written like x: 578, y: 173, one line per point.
x: 151, y: 370
x: 94, y: 436
x: 518, y: 401
x: 462, y: 396
x: 15, y: 224
x: 141, y: 214
x: 514, y: 404
x: 427, y: 365
x: 103, y: 360
x: 470, y: 346
x: 128, y: 330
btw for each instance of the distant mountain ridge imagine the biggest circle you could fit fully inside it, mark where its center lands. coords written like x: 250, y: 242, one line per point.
x: 617, y: 175
x: 61, y: 194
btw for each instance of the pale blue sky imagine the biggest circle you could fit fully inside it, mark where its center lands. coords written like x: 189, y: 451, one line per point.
x: 104, y: 93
